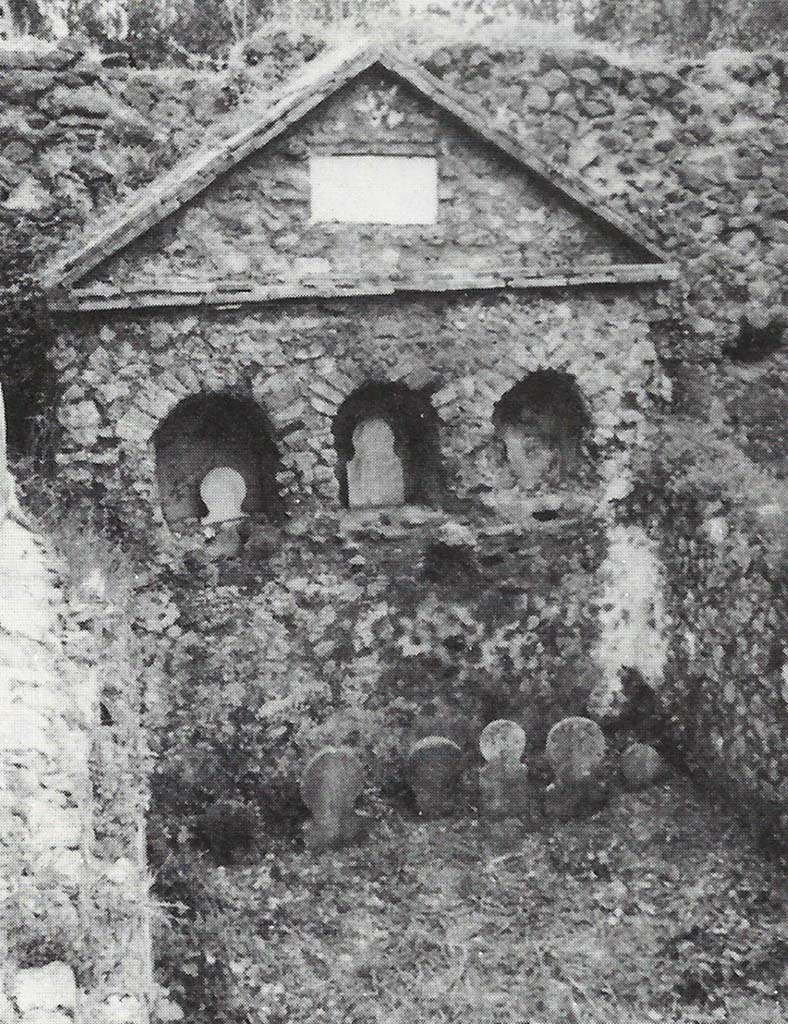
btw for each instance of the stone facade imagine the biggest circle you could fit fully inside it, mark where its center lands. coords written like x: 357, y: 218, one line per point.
x: 254, y: 223
x: 315, y: 368
x: 301, y: 362
x: 679, y: 148
x: 125, y: 376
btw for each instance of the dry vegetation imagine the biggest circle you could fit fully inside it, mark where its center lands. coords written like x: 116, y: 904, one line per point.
x: 657, y: 909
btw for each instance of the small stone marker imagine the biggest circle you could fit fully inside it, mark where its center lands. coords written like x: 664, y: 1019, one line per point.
x: 503, y: 782
x: 223, y: 490
x: 575, y: 749
x: 332, y: 782
x: 642, y: 766
x: 434, y: 769
x: 375, y: 477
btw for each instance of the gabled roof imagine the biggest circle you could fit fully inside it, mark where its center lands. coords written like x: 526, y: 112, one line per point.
x: 289, y: 105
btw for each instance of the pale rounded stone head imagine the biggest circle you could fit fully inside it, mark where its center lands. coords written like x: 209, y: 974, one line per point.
x: 502, y: 740
x: 223, y: 490
x: 642, y: 765
x: 575, y: 747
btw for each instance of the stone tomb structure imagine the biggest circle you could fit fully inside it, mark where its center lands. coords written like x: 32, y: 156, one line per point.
x: 477, y: 336
x: 368, y: 296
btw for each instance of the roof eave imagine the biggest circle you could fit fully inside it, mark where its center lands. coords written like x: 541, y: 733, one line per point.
x: 235, y: 294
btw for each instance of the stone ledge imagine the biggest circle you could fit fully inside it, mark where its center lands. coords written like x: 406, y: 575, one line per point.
x: 85, y: 300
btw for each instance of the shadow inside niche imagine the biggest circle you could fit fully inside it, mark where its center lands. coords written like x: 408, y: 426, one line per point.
x: 753, y: 344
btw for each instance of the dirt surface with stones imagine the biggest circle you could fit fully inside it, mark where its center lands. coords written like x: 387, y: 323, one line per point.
x: 659, y: 908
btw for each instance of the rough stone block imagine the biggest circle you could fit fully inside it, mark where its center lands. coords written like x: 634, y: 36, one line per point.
x: 324, y: 408
x: 446, y: 396
x: 157, y: 401
x: 82, y: 419
x: 554, y: 80
x: 289, y: 413
x: 47, y: 1017
x: 168, y: 1012
x: 135, y: 426
x: 119, y: 1009
x: 326, y: 391
x: 184, y: 378
x: 538, y: 98
x: 71, y: 865
x: 47, y: 988
x: 29, y: 197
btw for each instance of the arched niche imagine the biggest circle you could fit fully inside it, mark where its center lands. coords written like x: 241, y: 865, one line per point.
x: 208, y: 432
x: 542, y: 423
x: 387, y: 448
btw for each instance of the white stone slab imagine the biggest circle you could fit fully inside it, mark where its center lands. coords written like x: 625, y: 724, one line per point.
x: 375, y: 477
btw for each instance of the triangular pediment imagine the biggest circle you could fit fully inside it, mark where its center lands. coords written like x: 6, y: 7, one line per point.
x: 237, y: 221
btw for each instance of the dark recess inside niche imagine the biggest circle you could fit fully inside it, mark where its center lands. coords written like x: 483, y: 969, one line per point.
x: 543, y: 422
x: 753, y: 343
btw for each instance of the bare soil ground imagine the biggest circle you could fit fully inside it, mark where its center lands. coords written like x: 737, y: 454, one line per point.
x: 657, y: 909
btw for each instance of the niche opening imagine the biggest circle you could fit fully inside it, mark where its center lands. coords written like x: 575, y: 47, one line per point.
x: 542, y: 423
x: 208, y: 432
x: 387, y: 446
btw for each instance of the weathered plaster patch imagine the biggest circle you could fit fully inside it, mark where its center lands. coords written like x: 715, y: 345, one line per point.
x: 632, y: 617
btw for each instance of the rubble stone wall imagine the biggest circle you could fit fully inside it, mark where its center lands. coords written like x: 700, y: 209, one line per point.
x: 254, y: 223
x: 697, y: 150
x: 300, y: 361
x: 72, y: 939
